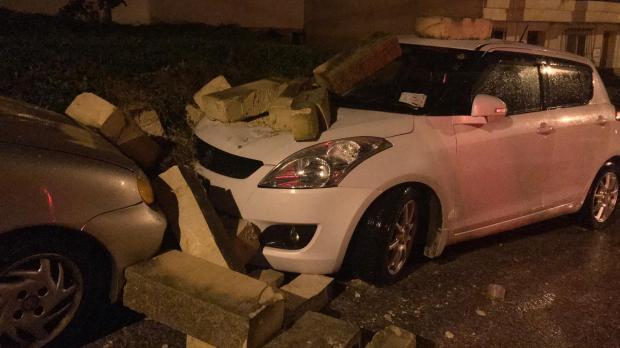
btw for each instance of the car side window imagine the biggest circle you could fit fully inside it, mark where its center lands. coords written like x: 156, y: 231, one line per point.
x: 516, y: 83
x: 567, y: 85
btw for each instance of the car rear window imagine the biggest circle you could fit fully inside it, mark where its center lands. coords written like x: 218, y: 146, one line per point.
x: 567, y: 85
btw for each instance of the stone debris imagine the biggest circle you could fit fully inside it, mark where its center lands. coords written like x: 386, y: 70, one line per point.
x: 199, y: 229
x: 210, y: 303
x: 318, y: 330
x: 192, y: 342
x: 307, y: 292
x: 453, y: 28
x: 193, y: 115
x: 480, y: 312
x: 94, y: 111
x: 449, y: 335
x: 496, y: 292
x: 218, y: 84
x: 138, y: 146
x: 242, y: 102
x: 246, y: 243
x: 341, y: 73
x: 393, y: 337
x: 148, y: 121
x: 305, y: 124
x: 319, y: 98
x: 272, y: 277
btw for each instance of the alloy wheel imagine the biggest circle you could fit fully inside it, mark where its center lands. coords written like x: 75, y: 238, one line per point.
x: 399, y: 248
x: 605, y: 197
x: 39, y: 296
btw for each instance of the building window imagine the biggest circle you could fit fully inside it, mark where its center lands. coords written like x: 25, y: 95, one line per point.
x: 536, y: 37
x: 498, y: 33
x: 577, y: 42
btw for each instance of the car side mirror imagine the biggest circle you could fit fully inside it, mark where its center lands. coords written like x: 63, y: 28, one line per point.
x: 485, y: 105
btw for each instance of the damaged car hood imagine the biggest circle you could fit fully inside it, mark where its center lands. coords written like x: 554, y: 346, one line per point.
x: 269, y: 146
x: 28, y: 125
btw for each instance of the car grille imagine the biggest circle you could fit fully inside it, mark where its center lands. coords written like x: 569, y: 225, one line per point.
x: 225, y: 163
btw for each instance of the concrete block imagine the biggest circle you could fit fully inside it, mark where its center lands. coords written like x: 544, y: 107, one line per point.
x: 305, y: 293
x: 393, y: 337
x: 341, y: 73
x: 280, y: 114
x: 138, y: 146
x: 318, y: 330
x: 246, y: 243
x: 317, y: 97
x: 454, y: 29
x: 200, y: 230
x: 208, y: 302
x: 148, y: 121
x: 94, y: 111
x: 218, y: 84
x: 241, y: 102
x: 305, y: 124
x: 272, y: 277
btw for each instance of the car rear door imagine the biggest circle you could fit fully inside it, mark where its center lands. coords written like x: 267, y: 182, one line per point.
x: 581, y: 129
x: 503, y: 165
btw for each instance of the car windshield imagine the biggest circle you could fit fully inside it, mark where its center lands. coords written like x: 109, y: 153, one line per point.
x: 424, y: 80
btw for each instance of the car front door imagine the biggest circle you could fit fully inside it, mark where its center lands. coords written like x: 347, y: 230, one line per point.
x: 581, y: 130
x: 503, y: 165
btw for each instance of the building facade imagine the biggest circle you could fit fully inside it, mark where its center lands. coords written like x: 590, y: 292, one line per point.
x: 587, y: 28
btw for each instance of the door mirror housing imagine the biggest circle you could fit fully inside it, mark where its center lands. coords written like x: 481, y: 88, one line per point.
x: 485, y: 105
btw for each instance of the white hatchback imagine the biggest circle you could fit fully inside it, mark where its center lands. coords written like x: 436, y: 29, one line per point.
x: 455, y: 140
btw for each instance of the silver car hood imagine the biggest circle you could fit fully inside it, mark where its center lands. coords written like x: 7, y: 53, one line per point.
x: 271, y: 147
x: 27, y: 125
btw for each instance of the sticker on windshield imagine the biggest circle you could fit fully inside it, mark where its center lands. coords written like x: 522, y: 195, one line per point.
x: 416, y: 100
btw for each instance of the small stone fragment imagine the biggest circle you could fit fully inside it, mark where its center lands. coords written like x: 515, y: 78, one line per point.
x: 449, y: 335
x: 341, y: 73
x: 272, y: 277
x: 148, y: 121
x: 496, y: 292
x: 480, y: 312
x: 393, y: 337
x: 193, y: 115
x: 388, y: 317
x: 218, y: 84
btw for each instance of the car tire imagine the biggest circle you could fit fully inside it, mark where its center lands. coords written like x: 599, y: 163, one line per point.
x: 49, y: 288
x: 388, y: 229
x: 600, y: 207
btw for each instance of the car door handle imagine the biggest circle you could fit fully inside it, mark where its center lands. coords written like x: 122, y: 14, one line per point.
x: 601, y: 120
x: 545, y: 129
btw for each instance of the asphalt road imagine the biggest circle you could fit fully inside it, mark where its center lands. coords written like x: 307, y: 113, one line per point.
x: 562, y: 290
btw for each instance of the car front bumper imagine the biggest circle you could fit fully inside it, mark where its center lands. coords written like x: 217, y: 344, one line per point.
x: 335, y: 211
x: 130, y: 235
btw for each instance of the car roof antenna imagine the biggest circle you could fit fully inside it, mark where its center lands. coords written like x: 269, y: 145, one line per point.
x: 524, y: 32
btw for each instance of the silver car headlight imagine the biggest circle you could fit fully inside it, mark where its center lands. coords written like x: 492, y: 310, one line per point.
x: 323, y: 165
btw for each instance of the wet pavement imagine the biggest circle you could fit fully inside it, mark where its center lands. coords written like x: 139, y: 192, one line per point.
x: 562, y: 290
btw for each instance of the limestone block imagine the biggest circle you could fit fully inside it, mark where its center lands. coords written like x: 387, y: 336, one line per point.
x: 218, y: 84
x: 305, y: 124
x: 318, y: 330
x: 137, y: 145
x: 317, y: 97
x: 455, y: 29
x: 148, y: 121
x: 210, y: 303
x: 341, y: 73
x: 272, y: 277
x: 94, y: 111
x: 393, y: 337
x: 246, y: 243
x: 241, y: 102
x: 200, y: 230
x: 305, y: 293
x: 193, y: 115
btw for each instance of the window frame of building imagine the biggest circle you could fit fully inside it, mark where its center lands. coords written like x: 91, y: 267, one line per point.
x: 588, y: 41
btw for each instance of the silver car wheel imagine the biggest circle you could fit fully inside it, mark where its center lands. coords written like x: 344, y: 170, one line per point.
x: 605, y: 197
x: 39, y: 296
x: 399, y: 248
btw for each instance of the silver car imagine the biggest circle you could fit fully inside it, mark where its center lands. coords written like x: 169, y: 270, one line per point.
x: 74, y: 212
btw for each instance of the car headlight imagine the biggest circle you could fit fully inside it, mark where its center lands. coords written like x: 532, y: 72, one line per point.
x: 323, y: 165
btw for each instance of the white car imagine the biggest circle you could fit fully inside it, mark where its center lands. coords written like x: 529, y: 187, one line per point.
x: 453, y: 141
